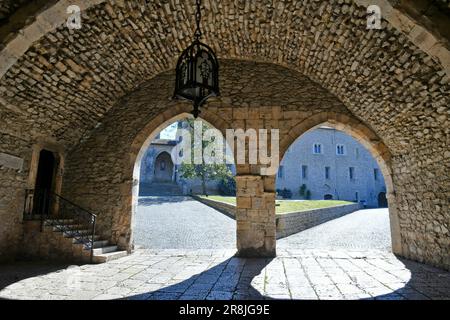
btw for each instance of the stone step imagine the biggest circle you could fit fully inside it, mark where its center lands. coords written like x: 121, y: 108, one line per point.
x: 76, y: 233
x: 107, y: 249
x: 58, y: 221
x: 160, y: 189
x: 68, y: 227
x: 105, y: 257
x: 96, y: 238
x: 101, y: 243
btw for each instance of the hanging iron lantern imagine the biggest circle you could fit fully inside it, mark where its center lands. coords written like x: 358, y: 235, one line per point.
x: 197, y: 71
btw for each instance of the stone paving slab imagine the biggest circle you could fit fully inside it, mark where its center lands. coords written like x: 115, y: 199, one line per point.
x: 218, y: 275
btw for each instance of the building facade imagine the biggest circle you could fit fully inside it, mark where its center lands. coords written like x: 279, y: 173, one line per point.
x: 332, y: 165
x: 329, y: 163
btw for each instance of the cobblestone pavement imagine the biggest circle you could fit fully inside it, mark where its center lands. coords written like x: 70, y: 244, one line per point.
x: 179, y: 222
x: 209, y: 274
x: 183, y: 223
x: 360, y: 230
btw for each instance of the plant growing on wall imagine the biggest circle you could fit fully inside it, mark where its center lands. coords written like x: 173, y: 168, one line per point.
x: 204, y: 172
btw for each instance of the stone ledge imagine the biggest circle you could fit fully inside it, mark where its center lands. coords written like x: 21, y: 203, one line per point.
x: 225, y: 208
x: 294, y: 222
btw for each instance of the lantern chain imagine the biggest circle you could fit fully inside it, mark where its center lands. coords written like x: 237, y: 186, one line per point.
x: 198, y: 18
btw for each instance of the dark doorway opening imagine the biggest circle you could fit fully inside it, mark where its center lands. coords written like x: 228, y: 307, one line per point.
x: 163, y: 168
x: 328, y: 197
x: 44, y: 182
x: 382, y: 201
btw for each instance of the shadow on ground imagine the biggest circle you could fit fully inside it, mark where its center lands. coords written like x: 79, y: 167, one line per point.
x: 223, y: 282
x: 21, y: 270
x: 231, y: 279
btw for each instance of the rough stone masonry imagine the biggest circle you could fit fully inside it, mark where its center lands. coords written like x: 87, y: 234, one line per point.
x: 97, y: 94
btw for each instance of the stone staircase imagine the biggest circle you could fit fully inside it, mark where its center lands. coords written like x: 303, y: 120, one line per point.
x: 160, y: 189
x: 73, y: 234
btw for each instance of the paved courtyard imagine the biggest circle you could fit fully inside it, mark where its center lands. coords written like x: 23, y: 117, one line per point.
x: 183, y: 223
x: 350, y: 260
x: 178, y: 222
x: 360, y: 230
x: 216, y: 274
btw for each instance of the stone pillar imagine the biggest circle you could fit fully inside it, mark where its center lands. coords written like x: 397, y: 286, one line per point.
x: 255, y: 215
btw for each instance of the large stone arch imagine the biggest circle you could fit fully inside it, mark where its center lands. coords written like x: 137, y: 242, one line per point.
x: 370, y: 140
x: 429, y: 36
x: 56, y: 85
x: 102, y: 167
x: 142, y: 141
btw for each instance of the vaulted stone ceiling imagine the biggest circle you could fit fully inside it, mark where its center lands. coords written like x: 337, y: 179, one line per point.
x: 68, y: 80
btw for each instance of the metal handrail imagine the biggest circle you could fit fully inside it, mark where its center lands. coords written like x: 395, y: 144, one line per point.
x: 51, y: 208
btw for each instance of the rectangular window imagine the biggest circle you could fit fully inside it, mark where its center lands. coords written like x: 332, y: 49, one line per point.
x: 280, y: 172
x: 340, y: 150
x: 304, y: 172
x: 327, y: 172
x: 356, y: 196
x: 375, y: 174
x: 357, y: 153
x: 351, y: 173
x: 317, y: 148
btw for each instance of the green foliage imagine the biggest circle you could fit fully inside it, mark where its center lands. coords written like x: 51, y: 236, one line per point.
x: 227, y: 186
x: 205, y: 172
x: 302, y: 190
x: 285, y: 193
x: 308, y: 194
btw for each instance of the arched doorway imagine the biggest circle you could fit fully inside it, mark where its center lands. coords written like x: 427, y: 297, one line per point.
x: 163, y: 210
x: 369, y: 141
x: 328, y: 197
x: 382, y: 200
x: 163, y: 170
x: 44, y: 181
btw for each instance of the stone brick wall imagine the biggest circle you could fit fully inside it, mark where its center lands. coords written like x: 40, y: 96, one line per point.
x: 290, y: 223
x: 108, y: 84
x: 49, y: 245
x: 225, y: 208
x: 12, y: 193
x: 99, y: 171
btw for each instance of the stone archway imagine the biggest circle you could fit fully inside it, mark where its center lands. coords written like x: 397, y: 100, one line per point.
x: 140, y: 144
x: 394, y: 80
x: 369, y: 139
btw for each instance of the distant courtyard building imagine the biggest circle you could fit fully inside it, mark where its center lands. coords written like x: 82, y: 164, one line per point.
x: 330, y: 163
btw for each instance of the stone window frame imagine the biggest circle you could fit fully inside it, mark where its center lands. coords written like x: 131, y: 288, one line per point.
x: 317, y: 147
x: 352, y: 173
x: 304, y: 171
x: 327, y: 173
x: 338, y: 146
x: 376, y: 174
